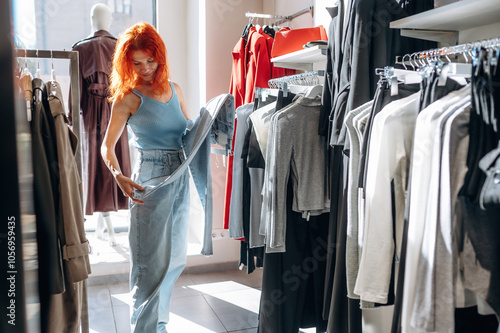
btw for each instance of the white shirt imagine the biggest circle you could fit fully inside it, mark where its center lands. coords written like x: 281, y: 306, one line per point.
x: 420, y: 177
x: 390, y: 148
x: 424, y: 312
x: 353, y: 251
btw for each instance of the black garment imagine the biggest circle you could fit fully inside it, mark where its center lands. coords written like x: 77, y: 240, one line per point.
x: 490, y: 192
x: 345, y: 314
x: 480, y: 256
x: 333, y: 62
x: 483, y: 138
x: 367, y: 43
x: 292, y: 283
x: 335, y: 162
x: 467, y: 320
x: 283, y: 101
x: 431, y: 90
x: 251, y: 257
x: 46, y: 201
x: 438, y: 92
x: 382, y: 98
x: 480, y: 251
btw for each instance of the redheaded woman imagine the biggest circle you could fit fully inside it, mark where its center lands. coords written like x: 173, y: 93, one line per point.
x: 153, y: 107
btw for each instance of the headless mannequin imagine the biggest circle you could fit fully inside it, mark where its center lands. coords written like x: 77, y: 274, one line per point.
x: 100, y: 16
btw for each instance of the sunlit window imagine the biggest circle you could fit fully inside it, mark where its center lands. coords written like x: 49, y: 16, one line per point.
x: 58, y: 24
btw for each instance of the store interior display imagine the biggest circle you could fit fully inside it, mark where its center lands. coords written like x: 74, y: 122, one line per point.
x: 361, y: 162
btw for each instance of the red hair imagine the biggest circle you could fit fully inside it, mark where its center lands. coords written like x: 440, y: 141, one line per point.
x: 141, y: 36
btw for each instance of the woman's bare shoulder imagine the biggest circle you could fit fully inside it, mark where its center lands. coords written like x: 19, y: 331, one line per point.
x: 129, y: 103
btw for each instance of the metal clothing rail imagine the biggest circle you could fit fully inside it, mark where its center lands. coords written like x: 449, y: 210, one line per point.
x: 309, y: 78
x: 465, y: 50
x: 74, y: 73
x: 284, y: 18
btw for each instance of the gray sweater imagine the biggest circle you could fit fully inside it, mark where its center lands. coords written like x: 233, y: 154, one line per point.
x: 294, y: 150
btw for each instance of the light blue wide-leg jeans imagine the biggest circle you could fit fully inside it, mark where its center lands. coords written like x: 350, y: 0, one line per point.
x: 158, y: 239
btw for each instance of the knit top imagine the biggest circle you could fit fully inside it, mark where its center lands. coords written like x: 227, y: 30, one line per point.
x: 157, y: 125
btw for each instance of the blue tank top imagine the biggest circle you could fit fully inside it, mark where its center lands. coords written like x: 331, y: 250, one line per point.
x: 158, y: 125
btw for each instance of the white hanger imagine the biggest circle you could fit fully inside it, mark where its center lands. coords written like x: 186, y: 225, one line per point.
x: 38, y: 73
x: 314, y: 91
x: 52, y: 72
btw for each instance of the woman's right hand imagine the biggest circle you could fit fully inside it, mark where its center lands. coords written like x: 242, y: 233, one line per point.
x: 127, y: 186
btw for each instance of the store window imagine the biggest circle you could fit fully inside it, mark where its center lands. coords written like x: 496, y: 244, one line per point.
x: 58, y: 24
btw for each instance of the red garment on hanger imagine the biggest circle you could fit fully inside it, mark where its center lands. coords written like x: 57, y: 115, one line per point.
x: 251, y: 68
x: 238, y: 74
x: 258, y: 64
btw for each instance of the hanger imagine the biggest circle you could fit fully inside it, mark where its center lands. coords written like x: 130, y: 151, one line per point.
x: 257, y: 26
x: 246, y: 30
x: 52, y: 72
x: 314, y: 91
x: 26, y: 86
x: 495, y: 59
x: 38, y: 73
x: 268, y: 29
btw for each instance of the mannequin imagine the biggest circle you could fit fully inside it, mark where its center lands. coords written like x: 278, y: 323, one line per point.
x: 100, y: 16
x: 101, y: 193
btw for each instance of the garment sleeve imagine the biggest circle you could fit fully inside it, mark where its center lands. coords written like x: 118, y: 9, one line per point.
x: 265, y: 219
x: 236, y: 202
x: 284, y: 143
x: 70, y: 105
x: 374, y: 274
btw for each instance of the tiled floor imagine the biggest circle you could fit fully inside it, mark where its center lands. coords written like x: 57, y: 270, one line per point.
x: 226, y: 301
x: 213, y: 302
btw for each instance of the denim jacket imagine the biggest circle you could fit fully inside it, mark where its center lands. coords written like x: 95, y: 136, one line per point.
x: 214, y: 125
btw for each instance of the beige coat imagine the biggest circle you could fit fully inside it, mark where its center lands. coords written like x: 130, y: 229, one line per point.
x: 70, y: 307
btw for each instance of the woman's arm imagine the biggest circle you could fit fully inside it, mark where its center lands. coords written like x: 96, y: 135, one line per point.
x: 120, y: 112
x: 184, y: 108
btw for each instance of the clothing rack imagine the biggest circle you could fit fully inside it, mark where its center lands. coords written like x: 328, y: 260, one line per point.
x: 304, y: 79
x: 74, y: 85
x: 465, y: 50
x: 282, y: 17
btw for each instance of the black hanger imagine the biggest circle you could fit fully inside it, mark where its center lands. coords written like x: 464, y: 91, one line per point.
x: 269, y: 30
x: 246, y: 30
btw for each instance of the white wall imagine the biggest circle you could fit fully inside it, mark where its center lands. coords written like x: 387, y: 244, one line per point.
x: 181, y: 41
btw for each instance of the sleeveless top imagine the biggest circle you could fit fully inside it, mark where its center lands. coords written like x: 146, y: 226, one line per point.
x: 157, y: 125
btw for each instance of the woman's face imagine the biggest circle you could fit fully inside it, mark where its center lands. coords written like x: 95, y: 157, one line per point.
x: 144, y: 65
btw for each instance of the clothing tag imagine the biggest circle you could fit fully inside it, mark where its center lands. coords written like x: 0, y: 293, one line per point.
x: 394, y: 86
x: 308, y: 216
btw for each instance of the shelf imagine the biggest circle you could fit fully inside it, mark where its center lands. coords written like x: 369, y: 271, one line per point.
x: 446, y: 22
x: 302, y: 59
